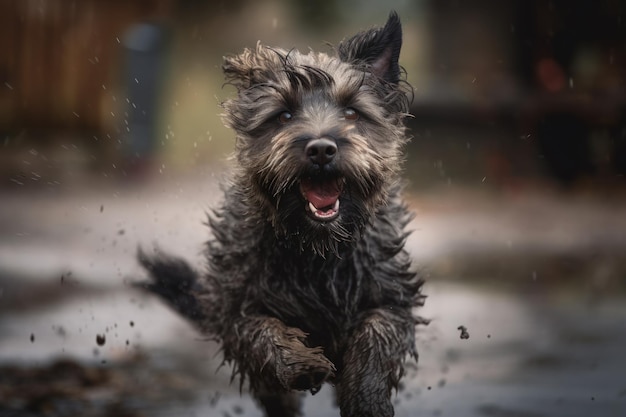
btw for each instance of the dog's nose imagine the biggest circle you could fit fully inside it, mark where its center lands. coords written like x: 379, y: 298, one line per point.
x: 321, y: 151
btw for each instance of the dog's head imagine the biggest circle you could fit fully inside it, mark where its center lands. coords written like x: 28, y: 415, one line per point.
x: 319, y: 137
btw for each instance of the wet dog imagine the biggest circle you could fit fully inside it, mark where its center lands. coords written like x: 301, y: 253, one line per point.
x: 307, y: 278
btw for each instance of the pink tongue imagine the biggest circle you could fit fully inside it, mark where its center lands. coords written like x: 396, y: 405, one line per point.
x: 321, y: 195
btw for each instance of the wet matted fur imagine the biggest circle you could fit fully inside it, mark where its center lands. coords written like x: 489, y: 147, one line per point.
x: 308, y: 280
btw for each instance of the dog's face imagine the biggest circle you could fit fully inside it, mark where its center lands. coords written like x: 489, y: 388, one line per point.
x: 319, y: 137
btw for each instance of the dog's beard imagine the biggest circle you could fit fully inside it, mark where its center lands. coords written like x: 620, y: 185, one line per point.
x: 301, y: 231
x: 320, y: 213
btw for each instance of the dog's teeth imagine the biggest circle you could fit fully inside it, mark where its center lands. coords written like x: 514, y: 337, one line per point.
x: 320, y: 214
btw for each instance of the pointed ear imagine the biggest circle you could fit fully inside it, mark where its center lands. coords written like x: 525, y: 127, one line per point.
x: 246, y: 69
x: 378, y: 49
x: 238, y: 69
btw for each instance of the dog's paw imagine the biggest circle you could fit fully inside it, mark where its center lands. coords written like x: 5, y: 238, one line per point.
x: 304, y: 369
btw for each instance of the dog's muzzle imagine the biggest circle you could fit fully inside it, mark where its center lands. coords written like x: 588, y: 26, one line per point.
x: 321, y: 192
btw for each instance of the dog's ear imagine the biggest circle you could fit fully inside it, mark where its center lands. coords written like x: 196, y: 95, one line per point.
x: 238, y: 69
x: 248, y: 68
x: 378, y: 49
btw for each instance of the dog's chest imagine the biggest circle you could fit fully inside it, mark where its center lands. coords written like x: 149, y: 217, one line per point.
x: 314, y: 291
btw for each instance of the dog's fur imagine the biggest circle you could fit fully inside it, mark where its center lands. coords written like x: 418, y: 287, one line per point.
x: 296, y: 293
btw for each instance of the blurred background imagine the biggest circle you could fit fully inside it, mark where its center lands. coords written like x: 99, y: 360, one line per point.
x: 110, y: 138
x: 537, y: 86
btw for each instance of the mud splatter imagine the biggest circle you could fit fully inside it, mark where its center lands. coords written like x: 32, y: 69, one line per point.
x: 464, y: 333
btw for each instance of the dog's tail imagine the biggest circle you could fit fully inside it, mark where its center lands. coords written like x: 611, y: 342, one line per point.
x: 173, y: 280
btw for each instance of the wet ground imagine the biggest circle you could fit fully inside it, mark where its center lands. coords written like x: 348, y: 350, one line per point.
x: 525, y: 295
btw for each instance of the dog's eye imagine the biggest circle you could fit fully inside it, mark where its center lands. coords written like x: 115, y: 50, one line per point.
x: 285, y: 117
x: 350, y: 114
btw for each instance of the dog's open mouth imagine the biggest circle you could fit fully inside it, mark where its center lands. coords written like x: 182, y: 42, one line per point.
x: 322, y: 197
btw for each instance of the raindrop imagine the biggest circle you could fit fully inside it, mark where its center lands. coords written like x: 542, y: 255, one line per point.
x: 32, y: 338
x: 100, y: 339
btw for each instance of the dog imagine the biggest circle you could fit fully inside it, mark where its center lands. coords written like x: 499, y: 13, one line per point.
x: 308, y: 280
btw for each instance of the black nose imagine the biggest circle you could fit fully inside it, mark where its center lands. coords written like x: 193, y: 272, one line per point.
x: 321, y: 151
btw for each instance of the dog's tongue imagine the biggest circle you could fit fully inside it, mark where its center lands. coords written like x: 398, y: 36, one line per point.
x: 323, y: 194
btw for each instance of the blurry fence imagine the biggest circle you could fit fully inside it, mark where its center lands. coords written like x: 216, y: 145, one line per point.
x: 58, y: 58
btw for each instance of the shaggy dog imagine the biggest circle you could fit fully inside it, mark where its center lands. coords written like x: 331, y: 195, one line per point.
x: 307, y: 278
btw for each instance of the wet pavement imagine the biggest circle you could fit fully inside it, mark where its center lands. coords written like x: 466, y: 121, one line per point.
x: 536, y: 280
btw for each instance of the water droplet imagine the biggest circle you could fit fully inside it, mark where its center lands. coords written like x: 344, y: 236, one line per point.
x: 100, y: 339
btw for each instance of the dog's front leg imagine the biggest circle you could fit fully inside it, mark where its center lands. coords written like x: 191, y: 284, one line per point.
x: 373, y: 362
x: 272, y: 354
